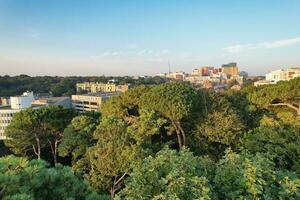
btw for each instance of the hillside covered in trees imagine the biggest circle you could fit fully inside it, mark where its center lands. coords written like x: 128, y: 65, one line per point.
x: 61, y: 86
x: 167, y: 141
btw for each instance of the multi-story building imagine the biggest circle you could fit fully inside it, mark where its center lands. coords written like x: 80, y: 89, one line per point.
x: 92, y: 101
x: 100, y: 87
x: 53, y: 101
x: 279, y: 75
x: 230, y: 69
x: 4, y: 101
x: 17, y: 103
x: 180, y: 76
x: 24, y: 101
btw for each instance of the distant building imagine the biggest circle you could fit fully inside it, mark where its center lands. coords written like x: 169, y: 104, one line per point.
x: 92, y: 87
x: 4, y: 101
x: 92, y: 101
x: 179, y: 76
x: 230, y: 69
x: 17, y: 103
x: 279, y: 75
x: 53, y: 101
x: 24, y: 101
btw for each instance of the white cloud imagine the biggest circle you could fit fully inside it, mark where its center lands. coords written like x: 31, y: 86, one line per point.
x: 263, y: 45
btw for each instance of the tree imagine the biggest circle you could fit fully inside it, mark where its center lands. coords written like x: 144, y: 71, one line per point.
x: 284, y: 93
x: 218, y: 127
x: 144, y: 126
x: 34, y: 130
x: 23, y: 179
x: 56, y: 119
x: 253, y: 176
x: 27, y: 134
x: 168, y: 175
x: 109, y: 161
x: 77, y: 137
x: 277, y: 138
x: 174, y: 101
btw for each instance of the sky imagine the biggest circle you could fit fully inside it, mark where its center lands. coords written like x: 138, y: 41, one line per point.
x: 140, y: 37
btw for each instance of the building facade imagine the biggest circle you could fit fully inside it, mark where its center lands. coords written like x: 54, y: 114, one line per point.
x: 230, y: 69
x: 91, y: 102
x: 17, y: 103
x: 92, y: 87
x: 279, y: 75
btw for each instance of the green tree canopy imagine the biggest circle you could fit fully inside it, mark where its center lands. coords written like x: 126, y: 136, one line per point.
x: 23, y: 179
x: 109, y: 161
x: 77, y: 137
x: 174, y: 101
x: 253, y: 176
x: 284, y: 93
x: 34, y: 131
x: 168, y: 175
x: 278, y: 138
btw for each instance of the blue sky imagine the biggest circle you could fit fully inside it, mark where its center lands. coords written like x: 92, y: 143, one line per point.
x: 138, y: 37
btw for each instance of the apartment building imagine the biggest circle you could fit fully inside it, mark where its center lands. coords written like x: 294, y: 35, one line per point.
x: 92, y: 87
x: 92, y: 101
x: 17, y: 103
x: 24, y: 101
x: 279, y: 75
x: 230, y: 69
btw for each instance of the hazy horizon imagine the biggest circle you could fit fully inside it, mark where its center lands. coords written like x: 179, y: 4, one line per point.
x: 118, y: 38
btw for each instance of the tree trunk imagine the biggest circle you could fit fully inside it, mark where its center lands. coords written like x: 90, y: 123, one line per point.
x: 53, y: 146
x: 116, y: 186
x: 182, y: 133
x: 296, y: 108
x: 37, y: 150
x: 177, y: 130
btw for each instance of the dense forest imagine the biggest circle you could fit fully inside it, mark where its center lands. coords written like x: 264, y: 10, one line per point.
x: 62, y: 86
x: 160, y: 142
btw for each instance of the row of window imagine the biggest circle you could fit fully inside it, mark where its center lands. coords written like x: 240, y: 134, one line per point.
x: 5, y: 121
x: 6, y: 115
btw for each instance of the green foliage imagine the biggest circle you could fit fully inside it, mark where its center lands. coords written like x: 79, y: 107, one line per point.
x: 173, y: 100
x: 147, y: 124
x: 23, y: 179
x: 278, y: 139
x: 284, y: 91
x: 61, y: 86
x: 33, y: 131
x: 110, y: 160
x: 244, y: 176
x: 77, y: 137
x: 220, y: 125
x: 168, y: 175
x: 253, y: 176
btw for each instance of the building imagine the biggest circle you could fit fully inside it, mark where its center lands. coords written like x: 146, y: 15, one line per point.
x: 92, y: 87
x: 275, y: 76
x: 17, y: 103
x: 53, y: 101
x: 24, y: 101
x: 230, y: 69
x: 4, y: 101
x: 92, y: 101
x: 179, y: 76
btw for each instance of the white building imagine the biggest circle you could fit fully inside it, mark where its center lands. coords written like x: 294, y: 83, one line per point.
x: 7, y: 112
x: 279, y: 75
x: 26, y: 100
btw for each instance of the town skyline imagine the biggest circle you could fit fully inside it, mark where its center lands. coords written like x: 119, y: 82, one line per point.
x: 72, y: 39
